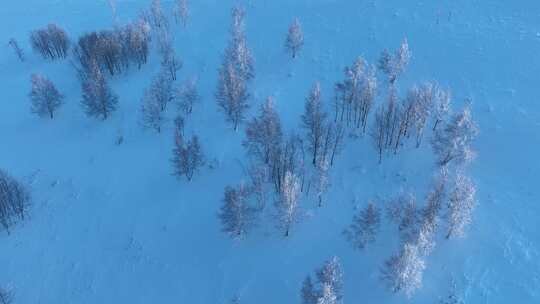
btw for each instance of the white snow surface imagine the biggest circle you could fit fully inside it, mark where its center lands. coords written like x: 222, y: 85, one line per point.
x: 111, y: 224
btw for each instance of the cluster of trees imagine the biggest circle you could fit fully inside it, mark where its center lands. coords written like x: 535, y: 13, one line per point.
x: 328, y: 287
x: 418, y: 227
x: 279, y: 162
x: 235, y: 73
x: 355, y: 95
x: 114, y: 50
x: 14, y: 199
x: 51, y: 42
x: 396, y: 121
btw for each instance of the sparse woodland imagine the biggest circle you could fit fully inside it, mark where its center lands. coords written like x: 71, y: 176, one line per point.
x: 288, y: 171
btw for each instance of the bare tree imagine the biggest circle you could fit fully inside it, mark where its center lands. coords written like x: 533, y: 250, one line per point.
x: 453, y: 142
x: 263, y: 133
x: 394, y: 65
x: 188, y: 157
x: 44, y: 96
x: 97, y: 98
x: 6, y: 296
x: 364, y: 227
x: 136, y: 40
x: 161, y: 90
x: 15, y: 46
x: 187, y: 95
x: 14, y: 199
x: 295, y: 38
x: 287, y: 203
x: 181, y: 12
x: 236, y: 215
x: 51, y: 42
x: 153, y: 116
x: 460, y: 207
x: 403, y: 272
x: 157, y: 17
x: 313, y: 120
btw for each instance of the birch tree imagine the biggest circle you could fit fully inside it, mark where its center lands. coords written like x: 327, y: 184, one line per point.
x: 295, y: 38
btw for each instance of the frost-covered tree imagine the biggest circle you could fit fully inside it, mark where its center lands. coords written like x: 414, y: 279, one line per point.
x: 295, y: 38
x: 331, y: 275
x: 442, y: 107
x: 51, y: 42
x: 188, y: 157
x: 187, y: 96
x: 435, y: 199
x: 236, y: 215
x: 14, y: 199
x: 235, y: 72
x: 287, y: 205
x: 237, y: 52
x: 386, y: 124
x: 263, y: 133
x: 258, y: 176
x: 394, y: 64
x: 232, y: 95
x: 403, y: 211
x: 161, y: 90
x: 403, y: 272
x: 364, y: 227
x: 355, y: 94
x: 453, y: 141
x: 15, y: 46
x: 97, y: 98
x: 314, y: 120
x: 153, y: 116
x: 460, y: 206
x: 290, y: 157
x: 321, y: 179
x: 6, y: 296
x: 425, y: 96
x: 181, y: 12
x: 157, y: 16
x: 44, y: 96
x: 328, y: 295
x: 308, y: 292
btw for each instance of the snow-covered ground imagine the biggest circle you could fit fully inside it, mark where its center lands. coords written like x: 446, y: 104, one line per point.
x: 110, y: 224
